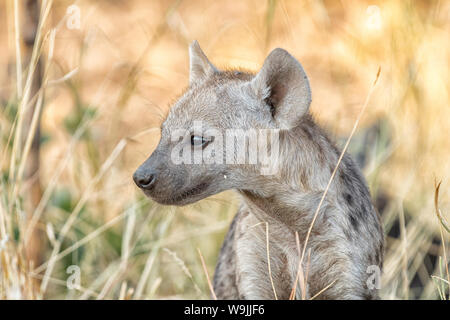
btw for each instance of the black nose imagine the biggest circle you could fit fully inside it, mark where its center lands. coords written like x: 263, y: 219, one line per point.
x: 144, y: 179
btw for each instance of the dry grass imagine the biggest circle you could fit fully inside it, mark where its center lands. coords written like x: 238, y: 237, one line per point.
x: 106, y: 87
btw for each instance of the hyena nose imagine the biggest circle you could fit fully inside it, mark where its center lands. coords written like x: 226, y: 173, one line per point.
x: 144, y: 179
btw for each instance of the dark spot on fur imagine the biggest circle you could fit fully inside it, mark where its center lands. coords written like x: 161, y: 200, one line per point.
x: 354, y: 221
x: 308, y: 133
x: 368, y: 296
x: 349, y: 199
x: 321, y: 154
x: 271, y: 105
x: 378, y: 255
x: 345, y: 179
x: 347, y: 234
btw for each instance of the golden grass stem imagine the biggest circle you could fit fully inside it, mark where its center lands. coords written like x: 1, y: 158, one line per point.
x: 59, y: 170
x: 18, y: 51
x: 73, y: 216
x: 441, y: 225
x: 125, y: 254
x: 205, y: 270
x: 64, y: 284
x: 323, y: 290
x: 36, y: 112
x: 300, y: 274
x: 22, y: 108
x: 438, y: 212
x: 151, y: 258
x: 268, y: 262
x: 183, y: 267
x: 355, y: 125
x: 404, y: 252
x: 85, y: 240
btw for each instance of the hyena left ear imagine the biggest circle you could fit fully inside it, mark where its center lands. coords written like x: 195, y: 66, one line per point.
x: 200, y: 67
x: 283, y: 84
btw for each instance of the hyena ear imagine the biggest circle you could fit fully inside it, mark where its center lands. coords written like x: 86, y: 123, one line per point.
x: 200, y: 67
x: 283, y: 85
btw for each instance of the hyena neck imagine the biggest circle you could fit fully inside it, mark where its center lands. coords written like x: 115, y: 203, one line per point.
x: 293, y: 193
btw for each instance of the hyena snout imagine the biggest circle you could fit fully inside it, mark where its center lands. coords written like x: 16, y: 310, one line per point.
x: 145, y: 178
x: 158, y: 179
x: 146, y: 175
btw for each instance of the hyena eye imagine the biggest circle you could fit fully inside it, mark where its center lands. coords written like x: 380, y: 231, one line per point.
x: 198, y: 141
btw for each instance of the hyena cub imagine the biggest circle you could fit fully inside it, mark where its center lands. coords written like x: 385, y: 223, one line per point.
x: 344, y: 252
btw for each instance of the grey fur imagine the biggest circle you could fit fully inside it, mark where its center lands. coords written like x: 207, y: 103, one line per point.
x: 347, y: 236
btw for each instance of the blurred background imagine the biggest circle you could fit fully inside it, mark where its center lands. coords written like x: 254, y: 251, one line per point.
x: 84, y: 86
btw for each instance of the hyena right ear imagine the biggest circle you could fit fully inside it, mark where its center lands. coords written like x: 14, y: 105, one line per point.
x: 283, y: 85
x: 200, y: 67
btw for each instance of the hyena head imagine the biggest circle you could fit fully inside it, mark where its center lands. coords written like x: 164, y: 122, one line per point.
x: 208, y: 139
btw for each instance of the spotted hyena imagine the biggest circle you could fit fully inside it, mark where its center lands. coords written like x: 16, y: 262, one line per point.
x: 344, y: 252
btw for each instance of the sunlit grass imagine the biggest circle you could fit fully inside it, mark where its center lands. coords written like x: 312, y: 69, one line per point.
x: 107, y: 86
